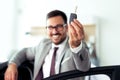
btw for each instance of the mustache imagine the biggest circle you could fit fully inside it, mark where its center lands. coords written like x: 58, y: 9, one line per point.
x: 56, y: 34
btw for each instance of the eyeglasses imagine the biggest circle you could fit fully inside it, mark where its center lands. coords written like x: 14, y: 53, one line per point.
x: 59, y: 27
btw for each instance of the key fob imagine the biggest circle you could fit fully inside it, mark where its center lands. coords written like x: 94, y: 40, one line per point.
x: 72, y: 16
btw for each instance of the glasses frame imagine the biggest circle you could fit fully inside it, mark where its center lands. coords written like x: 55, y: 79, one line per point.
x: 58, y: 27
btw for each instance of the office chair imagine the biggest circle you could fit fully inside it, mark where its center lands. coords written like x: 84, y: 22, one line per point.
x: 3, y: 67
x: 25, y: 70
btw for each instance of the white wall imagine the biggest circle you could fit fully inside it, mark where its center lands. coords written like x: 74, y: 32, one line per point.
x: 109, y: 30
x: 7, y: 26
x: 29, y: 14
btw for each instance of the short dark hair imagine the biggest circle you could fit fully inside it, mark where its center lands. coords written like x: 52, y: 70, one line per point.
x: 57, y: 13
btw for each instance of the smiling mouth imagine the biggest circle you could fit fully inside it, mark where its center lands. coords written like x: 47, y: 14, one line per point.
x: 55, y: 36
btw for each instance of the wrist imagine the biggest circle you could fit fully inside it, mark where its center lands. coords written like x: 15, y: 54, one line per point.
x: 12, y: 65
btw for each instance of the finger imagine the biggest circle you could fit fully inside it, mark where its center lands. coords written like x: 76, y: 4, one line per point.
x: 16, y: 76
x: 7, y: 77
x: 13, y: 76
x: 78, y: 27
x: 78, y: 24
x: 72, y: 32
x: 75, y: 25
x: 75, y: 34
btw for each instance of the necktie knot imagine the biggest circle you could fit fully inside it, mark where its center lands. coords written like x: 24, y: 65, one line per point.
x: 55, y: 49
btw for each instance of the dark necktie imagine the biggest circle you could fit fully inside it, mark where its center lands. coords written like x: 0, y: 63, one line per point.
x: 52, y: 69
x: 40, y: 75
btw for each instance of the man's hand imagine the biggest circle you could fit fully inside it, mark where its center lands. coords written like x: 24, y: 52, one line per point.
x: 76, y: 33
x: 11, y: 72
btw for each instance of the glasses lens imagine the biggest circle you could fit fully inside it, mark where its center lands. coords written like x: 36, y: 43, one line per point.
x: 58, y: 27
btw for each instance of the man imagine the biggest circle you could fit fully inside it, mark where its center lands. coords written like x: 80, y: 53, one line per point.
x: 71, y: 51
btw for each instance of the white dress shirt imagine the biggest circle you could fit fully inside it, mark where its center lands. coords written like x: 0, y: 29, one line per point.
x: 48, y: 59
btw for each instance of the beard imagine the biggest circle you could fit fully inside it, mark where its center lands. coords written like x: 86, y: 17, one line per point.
x: 58, y: 38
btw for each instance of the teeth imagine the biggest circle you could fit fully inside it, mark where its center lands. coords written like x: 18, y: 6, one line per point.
x: 55, y: 36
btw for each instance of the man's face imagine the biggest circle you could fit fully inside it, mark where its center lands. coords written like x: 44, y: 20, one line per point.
x: 56, y: 29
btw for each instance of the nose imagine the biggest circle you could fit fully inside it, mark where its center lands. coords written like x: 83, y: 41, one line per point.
x: 55, y: 30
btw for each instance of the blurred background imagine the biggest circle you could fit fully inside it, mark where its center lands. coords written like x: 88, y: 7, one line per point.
x: 22, y: 24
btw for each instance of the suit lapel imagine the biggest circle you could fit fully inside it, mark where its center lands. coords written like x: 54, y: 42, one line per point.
x: 62, y: 56
x: 39, y: 59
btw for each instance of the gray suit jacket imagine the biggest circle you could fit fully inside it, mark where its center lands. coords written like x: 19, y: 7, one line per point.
x: 68, y: 61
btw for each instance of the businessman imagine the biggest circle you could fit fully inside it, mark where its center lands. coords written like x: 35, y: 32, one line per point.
x: 65, y: 43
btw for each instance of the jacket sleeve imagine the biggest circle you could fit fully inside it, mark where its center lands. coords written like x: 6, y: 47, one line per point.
x: 82, y: 58
x: 23, y: 55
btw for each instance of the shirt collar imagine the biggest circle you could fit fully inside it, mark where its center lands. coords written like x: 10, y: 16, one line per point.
x: 60, y: 45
